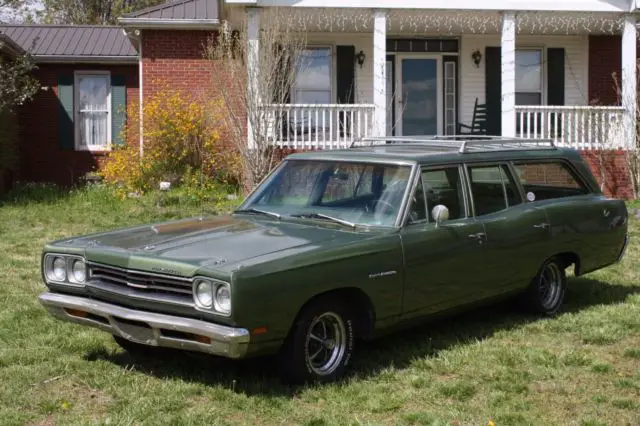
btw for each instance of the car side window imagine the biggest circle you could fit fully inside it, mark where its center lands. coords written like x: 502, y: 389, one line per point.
x: 444, y: 186
x: 492, y: 188
x: 417, y: 209
x: 549, y: 179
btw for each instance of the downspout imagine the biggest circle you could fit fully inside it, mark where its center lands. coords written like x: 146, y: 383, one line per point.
x: 140, y: 86
x: 137, y: 36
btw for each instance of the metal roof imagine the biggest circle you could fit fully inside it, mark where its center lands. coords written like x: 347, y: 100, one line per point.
x: 180, y: 9
x: 67, y: 42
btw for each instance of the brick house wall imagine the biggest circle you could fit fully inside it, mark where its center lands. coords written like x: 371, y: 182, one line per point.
x: 605, y: 59
x: 176, y: 58
x: 42, y: 158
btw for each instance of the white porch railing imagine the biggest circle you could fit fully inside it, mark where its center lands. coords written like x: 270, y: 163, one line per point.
x: 579, y: 127
x: 325, y: 126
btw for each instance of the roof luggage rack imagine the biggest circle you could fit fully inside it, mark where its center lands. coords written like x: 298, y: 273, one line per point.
x: 464, y: 144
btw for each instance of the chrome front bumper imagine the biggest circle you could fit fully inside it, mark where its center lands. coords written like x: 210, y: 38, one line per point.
x: 149, y: 328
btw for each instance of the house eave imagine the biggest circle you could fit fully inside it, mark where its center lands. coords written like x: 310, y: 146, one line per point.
x: 619, y: 6
x: 67, y: 59
x: 176, y: 24
x: 9, y: 47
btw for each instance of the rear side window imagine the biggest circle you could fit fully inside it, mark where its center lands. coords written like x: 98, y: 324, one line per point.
x: 492, y: 188
x: 548, y: 180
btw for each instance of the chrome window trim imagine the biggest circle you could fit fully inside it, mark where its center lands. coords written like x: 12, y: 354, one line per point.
x: 403, y: 211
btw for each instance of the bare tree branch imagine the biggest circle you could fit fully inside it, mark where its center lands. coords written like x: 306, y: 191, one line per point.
x: 631, y: 154
x: 244, y: 96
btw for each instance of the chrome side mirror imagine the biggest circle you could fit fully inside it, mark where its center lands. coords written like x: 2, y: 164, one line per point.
x: 440, y: 213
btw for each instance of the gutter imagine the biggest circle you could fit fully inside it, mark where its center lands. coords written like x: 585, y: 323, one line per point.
x: 86, y: 59
x: 169, y: 23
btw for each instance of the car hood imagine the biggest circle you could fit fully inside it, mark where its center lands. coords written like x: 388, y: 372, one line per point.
x: 182, y: 247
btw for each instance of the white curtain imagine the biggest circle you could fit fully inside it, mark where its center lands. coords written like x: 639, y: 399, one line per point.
x: 93, y: 110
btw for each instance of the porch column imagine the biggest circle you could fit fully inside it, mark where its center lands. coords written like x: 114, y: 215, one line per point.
x: 253, y: 66
x: 508, y: 66
x: 629, y: 82
x: 380, y: 73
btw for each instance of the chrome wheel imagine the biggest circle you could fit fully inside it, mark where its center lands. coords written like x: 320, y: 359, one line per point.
x: 550, y: 285
x: 326, y: 343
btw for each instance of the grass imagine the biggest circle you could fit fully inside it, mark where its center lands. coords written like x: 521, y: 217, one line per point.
x: 581, y: 368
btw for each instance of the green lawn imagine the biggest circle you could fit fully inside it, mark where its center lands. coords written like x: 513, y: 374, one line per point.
x: 582, y: 367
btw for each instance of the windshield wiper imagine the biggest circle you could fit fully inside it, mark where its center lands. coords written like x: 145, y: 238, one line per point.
x: 258, y: 211
x: 315, y: 215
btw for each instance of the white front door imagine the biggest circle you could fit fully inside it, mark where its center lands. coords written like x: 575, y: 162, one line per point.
x: 418, y: 100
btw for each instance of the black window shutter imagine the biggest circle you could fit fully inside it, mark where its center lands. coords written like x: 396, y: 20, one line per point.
x: 118, y: 108
x: 555, y: 76
x: 493, y: 89
x: 345, y: 76
x: 65, y: 112
x: 345, y: 62
x: 282, y: 91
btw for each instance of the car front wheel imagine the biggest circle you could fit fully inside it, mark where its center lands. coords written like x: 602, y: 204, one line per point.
x: 320, y: 345
x: 547, y: 290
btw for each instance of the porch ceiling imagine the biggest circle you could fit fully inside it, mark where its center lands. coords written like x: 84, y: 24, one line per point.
x: 429, y: 22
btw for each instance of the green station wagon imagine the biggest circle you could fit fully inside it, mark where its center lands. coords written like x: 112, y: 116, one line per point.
x: 342, y: 245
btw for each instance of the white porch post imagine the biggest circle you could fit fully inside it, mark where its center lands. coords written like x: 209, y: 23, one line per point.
x: 380, y: 73
x: 629, y: 82
x: 508, y: 66
x: 253, y: 65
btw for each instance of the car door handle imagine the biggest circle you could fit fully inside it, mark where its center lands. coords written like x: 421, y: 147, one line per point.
x: 542, y: 225
x: 477, y: 236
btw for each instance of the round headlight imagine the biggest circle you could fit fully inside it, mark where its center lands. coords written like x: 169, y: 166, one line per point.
x: 79, y: 271
x: 223, y: 299
x: 59, y: 269
x: 204, y: 293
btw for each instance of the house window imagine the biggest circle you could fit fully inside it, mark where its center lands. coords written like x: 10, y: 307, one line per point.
x: 93, y: 111
x: 529, y: 77
x: 313, y: 77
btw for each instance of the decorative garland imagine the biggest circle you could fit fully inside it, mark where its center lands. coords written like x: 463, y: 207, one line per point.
x: 451, y: 22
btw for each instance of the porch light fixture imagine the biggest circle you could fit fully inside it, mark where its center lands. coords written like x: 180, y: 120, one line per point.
x: 360, y: 57
x: 477, y: 57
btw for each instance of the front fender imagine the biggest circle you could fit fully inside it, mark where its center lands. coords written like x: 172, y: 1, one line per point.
x: 271, y: 294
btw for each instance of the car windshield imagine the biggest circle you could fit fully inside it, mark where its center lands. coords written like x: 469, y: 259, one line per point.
x: 351, y: 193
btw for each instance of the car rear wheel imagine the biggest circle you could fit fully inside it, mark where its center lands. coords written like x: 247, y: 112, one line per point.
x: 320, y: 345
x: 547, y: 290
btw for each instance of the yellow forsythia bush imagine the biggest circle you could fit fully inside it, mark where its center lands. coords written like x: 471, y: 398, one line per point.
x: 182, y: 136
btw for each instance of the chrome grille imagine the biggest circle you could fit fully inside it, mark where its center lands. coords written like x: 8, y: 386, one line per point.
x: 140, y: 282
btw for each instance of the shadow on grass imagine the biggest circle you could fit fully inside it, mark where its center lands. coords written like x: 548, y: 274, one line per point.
x: 259, y: 376
x: 29, y: 193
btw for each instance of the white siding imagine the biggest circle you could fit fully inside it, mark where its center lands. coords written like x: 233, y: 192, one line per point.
x: 472, y: 78
x: 364, y: 75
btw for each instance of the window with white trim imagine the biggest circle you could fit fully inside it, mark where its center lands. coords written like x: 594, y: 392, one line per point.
x: 529, y: 77
x: 313, y: 76
x: 92, y: 110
